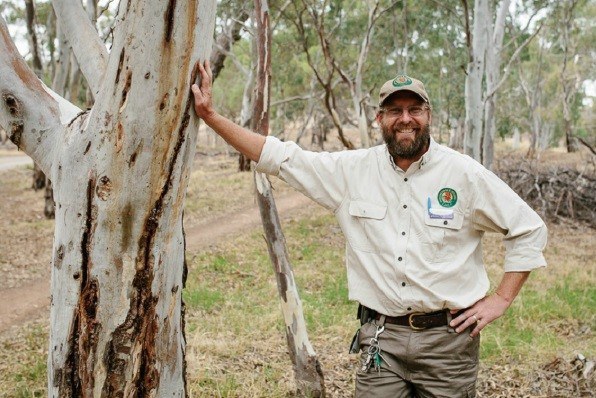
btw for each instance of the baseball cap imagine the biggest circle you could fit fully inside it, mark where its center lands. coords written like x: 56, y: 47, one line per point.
x: 401, y: 83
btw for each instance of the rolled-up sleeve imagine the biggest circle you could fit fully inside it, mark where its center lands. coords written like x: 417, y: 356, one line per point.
x: 498, y: 208
x: 318, y: 175
x: 272, y: 156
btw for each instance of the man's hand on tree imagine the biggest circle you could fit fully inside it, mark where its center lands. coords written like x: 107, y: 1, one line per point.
x: 203, y: 95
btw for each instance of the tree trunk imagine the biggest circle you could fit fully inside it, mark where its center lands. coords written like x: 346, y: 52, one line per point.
x: 246, y: 113
x: 118, y: 259
x: 49, y: 208
x: 307, y: 370
x: 225, y: 41
x: 39, y: 178
x: 474, y: 79
x: 570, y: 84
x: 91, y: 9
x: 62, y: 69
x: 496, y: 33
x: 32, y: 35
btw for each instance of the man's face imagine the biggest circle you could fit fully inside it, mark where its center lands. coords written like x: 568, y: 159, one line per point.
x: 406, y: 135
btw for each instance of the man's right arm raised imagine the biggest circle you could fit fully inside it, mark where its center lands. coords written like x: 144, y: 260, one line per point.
x: 244, y: 141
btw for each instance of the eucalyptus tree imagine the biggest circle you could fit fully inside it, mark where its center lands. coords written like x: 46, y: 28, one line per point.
x: 120, y: 171
x: 307, y: 369
x: 571, y: 78
x: 485, y: 75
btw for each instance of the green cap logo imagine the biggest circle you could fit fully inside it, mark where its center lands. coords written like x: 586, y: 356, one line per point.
x: 447, y: 197
x: 401, y: 80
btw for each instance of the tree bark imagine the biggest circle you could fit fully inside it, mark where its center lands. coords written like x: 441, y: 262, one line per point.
x: 225, y: 41
x: 570, y: 83
x: 89, y: 50
x: 307, y: 369
x: 496, y: 33
x: 118, y: 258
x: 474, y: 78
x: 38, y: 177
x: 32, y: 35
x: 246, y: 113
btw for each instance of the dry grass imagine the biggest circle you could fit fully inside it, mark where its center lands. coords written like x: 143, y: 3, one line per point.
x: 25, y: 235
x: 236, y: 342
x: 238, y: 345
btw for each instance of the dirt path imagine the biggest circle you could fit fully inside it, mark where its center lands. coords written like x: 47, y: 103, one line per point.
x: 31, y: 301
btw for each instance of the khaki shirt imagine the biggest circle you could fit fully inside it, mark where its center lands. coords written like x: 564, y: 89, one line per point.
x: 413, y: 239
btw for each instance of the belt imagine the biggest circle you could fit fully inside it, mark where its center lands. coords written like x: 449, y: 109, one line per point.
x: 419, y: 320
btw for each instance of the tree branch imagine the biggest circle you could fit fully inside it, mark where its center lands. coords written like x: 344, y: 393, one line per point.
x: 467, y: 28
x: 89, y: 50
x: 511, y: 60
x: 225, y: 41
x: 296, y: 98
x: 232, y: 57
x: 28, y: 113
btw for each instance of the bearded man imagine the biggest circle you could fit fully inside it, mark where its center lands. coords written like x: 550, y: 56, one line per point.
x: 413, y: 213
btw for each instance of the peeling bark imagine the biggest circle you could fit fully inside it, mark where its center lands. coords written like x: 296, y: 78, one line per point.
x: 307, y: 369
x: 116, y: 309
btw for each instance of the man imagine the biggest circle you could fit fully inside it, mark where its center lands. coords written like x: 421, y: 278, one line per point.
x: 413, y: 213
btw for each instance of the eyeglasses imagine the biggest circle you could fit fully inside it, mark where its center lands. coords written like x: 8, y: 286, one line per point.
x: 416, y: 110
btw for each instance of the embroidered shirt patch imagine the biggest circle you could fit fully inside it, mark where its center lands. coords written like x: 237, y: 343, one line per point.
x: 447, y: 197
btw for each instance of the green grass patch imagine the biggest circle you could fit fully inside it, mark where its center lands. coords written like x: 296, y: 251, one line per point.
x: 544, y: 322
x: 23, y: 369
x: 236, y: 344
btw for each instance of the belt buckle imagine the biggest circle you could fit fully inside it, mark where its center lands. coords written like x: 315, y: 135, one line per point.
x: 411, y: 323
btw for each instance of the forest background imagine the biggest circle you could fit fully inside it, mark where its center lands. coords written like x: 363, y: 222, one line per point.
x: 328, y: 62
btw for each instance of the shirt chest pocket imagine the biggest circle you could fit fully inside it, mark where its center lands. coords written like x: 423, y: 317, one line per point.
x: 368, y: 226
x: 440, y: 241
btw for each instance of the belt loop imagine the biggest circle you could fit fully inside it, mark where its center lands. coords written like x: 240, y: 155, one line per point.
x: 380, y: 321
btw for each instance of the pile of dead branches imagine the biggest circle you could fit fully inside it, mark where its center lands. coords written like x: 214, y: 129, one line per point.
x: 557, y: 192
x: 558, y: 379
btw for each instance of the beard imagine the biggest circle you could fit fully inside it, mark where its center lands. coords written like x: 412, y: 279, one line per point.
x: 406, y: 149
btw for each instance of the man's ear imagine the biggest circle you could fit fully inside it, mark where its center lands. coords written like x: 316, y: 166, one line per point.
x: 378, y: 117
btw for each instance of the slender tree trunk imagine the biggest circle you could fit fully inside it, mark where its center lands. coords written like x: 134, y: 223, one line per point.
x: 533, y: 96
x: 49, y: 208
x: 224, y: 42
x: 52, y: 36
x: 74, y: 81
x: 570, y: 83
x: 307, y: 370
x: 120, y: 174
x: 32, y: 35
x: 38, y: 177
x: 246, y: 113
x: 496, y: 33
x: 91, y: 8
x: 474, y: 80
x: 62, y: 69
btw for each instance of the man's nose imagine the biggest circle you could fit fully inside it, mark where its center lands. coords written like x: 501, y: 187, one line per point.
x: 405, y: 117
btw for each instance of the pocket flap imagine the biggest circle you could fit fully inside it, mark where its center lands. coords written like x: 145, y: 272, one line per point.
x: 455, y: 223
x: 367, y: 210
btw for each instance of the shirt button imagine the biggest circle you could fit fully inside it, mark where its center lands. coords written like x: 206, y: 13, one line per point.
x: 403, y: 233
x: 406, y: 179
x: 403, y: 283
x: 399, y: 259
x: 445, y: 222
x: 409, y: 308
x: 405, y: 206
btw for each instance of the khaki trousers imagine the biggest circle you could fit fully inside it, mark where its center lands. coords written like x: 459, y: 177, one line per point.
x: 435, y: 362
